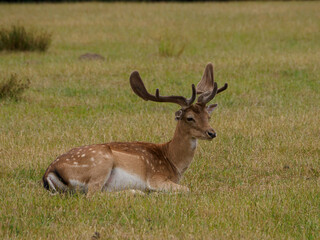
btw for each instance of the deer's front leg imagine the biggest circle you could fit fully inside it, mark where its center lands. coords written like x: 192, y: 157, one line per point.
x: 163, y: 184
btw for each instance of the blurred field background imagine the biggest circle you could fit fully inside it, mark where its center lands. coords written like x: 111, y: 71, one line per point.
x: 259, y: 179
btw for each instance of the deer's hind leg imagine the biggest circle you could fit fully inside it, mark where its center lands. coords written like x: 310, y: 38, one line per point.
x: 100, y: 173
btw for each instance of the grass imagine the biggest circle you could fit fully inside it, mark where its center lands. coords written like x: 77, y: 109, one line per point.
x: 17, y: 38
x: 259, y: 179
x: 13, y: 87
x: 170, y: 47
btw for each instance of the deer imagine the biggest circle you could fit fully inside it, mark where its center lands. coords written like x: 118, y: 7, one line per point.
x: 140, y: 166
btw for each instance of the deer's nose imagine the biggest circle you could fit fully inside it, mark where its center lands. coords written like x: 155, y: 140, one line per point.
x: 211, y: 133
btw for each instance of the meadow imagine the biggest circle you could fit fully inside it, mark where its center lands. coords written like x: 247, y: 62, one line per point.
x: 259, y: 179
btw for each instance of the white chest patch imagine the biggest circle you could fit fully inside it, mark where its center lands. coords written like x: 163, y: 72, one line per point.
x: 122, y: 180
x: 193, y: 143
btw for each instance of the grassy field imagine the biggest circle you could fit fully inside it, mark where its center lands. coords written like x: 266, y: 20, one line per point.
x: 259, y: 179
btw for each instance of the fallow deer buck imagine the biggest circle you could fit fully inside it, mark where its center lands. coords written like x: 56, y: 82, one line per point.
x: 138, y: 165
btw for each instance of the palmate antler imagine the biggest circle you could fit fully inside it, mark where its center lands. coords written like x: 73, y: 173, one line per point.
x: 139, y: 89
x: 207, y: 88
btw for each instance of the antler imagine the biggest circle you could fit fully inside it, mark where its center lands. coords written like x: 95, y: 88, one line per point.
x: 207, y: 88
x: 139, y: 89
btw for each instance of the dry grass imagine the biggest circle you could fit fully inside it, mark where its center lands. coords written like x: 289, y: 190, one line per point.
x: 258, y: 180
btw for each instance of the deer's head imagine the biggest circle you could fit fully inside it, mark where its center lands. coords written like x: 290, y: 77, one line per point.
x: 193, y: 118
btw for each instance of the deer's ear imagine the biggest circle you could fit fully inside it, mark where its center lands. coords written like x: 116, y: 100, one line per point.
x: 178, y: 115
x: 207, y: 80
x: 211, y: 107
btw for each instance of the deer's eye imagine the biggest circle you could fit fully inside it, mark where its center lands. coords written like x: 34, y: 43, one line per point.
x: 190, y: 119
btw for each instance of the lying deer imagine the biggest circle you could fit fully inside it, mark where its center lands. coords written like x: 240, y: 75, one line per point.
x: 138, y: 165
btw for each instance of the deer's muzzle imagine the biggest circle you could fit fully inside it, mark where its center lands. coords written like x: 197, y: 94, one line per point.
x: 211, y: 134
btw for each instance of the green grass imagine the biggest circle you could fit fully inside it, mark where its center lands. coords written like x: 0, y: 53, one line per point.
x: 259, y: 179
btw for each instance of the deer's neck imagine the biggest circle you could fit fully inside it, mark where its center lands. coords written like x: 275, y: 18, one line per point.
x: 180, y: 150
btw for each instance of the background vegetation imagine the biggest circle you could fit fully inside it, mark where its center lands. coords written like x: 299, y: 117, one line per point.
x: 17, y: 38
x: 13, y: 87
x: 258, y: 180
